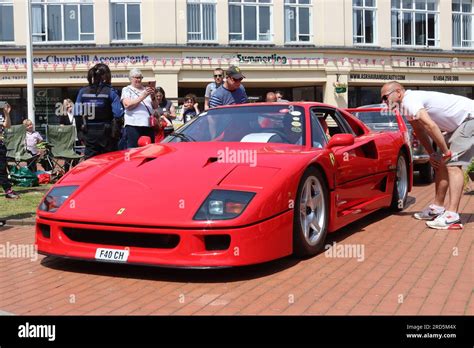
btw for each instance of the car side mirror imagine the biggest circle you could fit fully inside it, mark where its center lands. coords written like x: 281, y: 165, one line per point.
x: 144, y: 141
x: 341, y: 140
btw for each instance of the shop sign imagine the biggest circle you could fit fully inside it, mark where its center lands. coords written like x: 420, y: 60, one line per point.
x: 270, y: 58
x: 373, y: 76
x: 78, y: 59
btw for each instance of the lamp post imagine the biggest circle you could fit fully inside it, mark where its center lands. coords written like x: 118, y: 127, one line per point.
x: 29, y: 65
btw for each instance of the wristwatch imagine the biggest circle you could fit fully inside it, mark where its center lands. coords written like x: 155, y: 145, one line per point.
x: 447, y: 155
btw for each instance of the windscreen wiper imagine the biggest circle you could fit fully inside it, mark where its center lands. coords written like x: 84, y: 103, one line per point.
x: 183, y: 137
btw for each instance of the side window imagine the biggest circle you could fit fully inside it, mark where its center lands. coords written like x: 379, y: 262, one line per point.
x: 331, y: 122
x: 356, y: 129
x: 343, y: 125
x: 319, y: 129
x: 318, y: 136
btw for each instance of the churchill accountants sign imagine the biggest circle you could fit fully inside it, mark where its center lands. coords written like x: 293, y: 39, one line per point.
x: 77, y: 59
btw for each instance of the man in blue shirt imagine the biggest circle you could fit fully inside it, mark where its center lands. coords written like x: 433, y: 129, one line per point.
x: 232, y: 91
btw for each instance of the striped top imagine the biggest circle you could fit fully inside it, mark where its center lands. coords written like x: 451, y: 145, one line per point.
x: 222, y: 96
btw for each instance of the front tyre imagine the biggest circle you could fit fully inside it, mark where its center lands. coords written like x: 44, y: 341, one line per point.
x: 400, y: 187
x: 311, y: 214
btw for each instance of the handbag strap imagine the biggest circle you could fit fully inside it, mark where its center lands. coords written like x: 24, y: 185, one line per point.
x: 138, y: 95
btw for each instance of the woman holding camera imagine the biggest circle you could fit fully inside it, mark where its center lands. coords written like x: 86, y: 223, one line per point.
x: 5, y: 122
x: 139, y: 102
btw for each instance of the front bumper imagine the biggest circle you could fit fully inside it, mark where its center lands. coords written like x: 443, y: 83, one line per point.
x: 261, y: 242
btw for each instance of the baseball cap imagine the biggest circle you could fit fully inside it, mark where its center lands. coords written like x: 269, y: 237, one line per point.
x: 234, y: 72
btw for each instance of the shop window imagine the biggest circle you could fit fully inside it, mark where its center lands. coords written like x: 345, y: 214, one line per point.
x: 364, y: 21
x: 250, y: 20
x: 463, y: 26
x: 60, y: 21
x: 415, y: 23
x: 363, y: 95
x: 16, y: 97
x: 6, y: 21
x: 297, y: 21
x: 458, y: 90
x: 126, y: 20
x: 201, y: 20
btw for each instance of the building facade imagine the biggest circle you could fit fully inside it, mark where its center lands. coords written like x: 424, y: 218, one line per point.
x: 336, y: 51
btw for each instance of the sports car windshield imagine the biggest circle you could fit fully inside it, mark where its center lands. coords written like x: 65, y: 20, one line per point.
x: 258, y: 124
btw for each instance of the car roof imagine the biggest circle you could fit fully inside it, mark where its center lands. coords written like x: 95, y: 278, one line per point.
x: 302, y: 104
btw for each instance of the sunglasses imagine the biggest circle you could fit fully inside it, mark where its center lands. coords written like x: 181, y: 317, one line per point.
x: 237, y: 80
x: 385, y: 96
x: 217, y: 75
x: 138, y: 77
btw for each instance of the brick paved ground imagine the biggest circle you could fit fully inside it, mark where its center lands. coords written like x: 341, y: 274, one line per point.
x: 407, y: 269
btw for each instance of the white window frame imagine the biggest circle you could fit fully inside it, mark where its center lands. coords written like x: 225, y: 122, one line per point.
x: 126, y: 3
x: 201, y: 20
x: 258, y: 5
x: 297, y: 6
x: 365, y: 8
x: 10, y: 4
x: 62, y: 3
x: 413, y: 11
x: 462, y: 14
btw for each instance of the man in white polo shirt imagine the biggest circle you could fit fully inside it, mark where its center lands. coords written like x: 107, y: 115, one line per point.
x: 430, y: 114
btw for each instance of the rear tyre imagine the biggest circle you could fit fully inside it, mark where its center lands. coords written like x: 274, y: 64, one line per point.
x: 427, y: 174
x: 400, y: 186
x: 311, y: 214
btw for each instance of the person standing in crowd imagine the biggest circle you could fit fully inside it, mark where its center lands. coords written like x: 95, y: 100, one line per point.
x: 271, y: 97
x: 232, y: 91
x: 165, y: 106
x: 431, y: 113
x: 211, y: 87
x: 190, y: 107
x: 280, y: 95
x: 165, y: 112
x: 66, y: 117
x: 5, y: 122
x: 140, y: 103
x: 96, y: 106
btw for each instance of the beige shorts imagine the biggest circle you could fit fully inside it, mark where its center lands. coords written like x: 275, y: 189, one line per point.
x: 461, y: 144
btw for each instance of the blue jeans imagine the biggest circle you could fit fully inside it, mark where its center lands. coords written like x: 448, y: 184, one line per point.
x: 131, y: 135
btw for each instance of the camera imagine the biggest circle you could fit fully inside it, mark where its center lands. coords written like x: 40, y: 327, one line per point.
x: 2, y: 104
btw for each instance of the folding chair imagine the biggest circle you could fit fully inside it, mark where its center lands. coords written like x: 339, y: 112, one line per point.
x: 15, y: 142
x: 61, y: 154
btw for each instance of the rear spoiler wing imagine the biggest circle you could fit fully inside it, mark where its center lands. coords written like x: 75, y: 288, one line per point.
x: 401, y: 124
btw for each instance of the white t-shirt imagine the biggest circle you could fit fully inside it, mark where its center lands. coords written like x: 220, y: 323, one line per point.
x: 139, y: 115
x: 448, y: 111
x: 72, y: 120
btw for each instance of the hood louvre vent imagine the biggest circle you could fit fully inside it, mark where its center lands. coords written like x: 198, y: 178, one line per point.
x: 211, y: 160
x: 146, y: 160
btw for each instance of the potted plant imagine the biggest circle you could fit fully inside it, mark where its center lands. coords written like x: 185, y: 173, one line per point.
x: 340, y: 87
